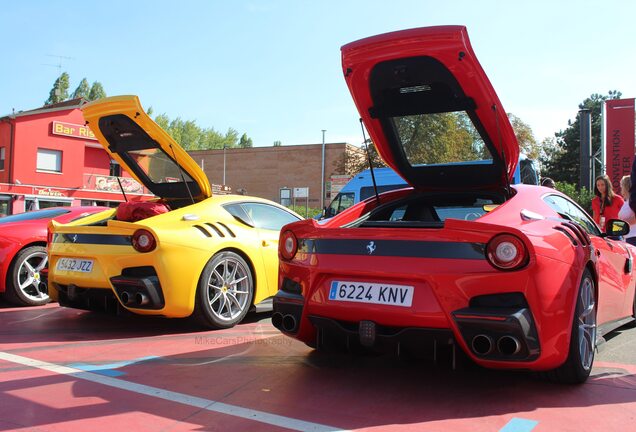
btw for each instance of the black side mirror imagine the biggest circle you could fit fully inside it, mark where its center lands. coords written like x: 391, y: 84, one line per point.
x: 616, y: 228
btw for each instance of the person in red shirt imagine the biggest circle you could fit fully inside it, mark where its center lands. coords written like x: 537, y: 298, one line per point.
x: 606, y: 204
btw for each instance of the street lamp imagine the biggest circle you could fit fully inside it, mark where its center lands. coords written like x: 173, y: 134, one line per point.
x: 322, y: 173
x: 224, y: 147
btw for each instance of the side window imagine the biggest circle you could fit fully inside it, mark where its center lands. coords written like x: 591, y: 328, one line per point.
x: 266, y: 216
x: 239, y: 213
x: 569, y: 210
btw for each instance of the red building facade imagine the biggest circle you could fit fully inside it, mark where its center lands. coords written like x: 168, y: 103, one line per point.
x: 48, y: 157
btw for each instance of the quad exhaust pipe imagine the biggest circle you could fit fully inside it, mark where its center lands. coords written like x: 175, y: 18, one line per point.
x: 506, y: 345
x: 285, y: 322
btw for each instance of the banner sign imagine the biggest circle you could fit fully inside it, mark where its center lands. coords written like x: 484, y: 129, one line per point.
x: 619, y: 139
x: 72, y: 130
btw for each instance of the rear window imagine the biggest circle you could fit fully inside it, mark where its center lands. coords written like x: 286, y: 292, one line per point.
x: 440, y: 138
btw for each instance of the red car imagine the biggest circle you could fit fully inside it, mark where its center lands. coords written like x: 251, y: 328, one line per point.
x: 23, y: 252
x: 516, y: 276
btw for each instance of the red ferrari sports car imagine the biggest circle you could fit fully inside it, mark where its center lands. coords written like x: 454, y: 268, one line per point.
x: 516, y: 276
x: 23, y: 252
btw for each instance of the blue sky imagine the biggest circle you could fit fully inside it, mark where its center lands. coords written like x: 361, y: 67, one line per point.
x: 271, y: 69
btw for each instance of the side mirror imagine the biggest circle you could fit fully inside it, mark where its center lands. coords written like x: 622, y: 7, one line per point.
x: 616, y: 228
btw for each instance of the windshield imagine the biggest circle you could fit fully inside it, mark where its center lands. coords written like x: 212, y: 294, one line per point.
x: 40, y: 214
x: 440, y: 138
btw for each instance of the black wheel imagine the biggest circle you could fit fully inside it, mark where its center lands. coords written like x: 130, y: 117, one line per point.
x: 225, y: 291
x: 25, y: 286
x: 578, y: 365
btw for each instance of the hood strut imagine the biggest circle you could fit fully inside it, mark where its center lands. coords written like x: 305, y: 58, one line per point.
x: 503, y: 153
x: 366, y: 146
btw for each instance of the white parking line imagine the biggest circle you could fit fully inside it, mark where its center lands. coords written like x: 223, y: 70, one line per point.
x: 206, y: 404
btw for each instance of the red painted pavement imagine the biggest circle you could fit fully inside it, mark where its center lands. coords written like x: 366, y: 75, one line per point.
x: 253, y: 366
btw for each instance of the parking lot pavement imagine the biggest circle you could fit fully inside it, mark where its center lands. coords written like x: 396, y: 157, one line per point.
x: 63, y: 369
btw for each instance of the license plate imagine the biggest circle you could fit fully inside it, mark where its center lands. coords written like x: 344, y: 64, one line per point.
x: 75, y: 265
x: 366, y: 292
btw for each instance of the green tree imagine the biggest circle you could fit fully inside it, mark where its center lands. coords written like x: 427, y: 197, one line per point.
x: 564, y: 164
x: 59, y: 92
x: 82, y: 90
x: 525, y: 137
x: 245, y: 142
x: 277, y: 143
x: 97, y: 91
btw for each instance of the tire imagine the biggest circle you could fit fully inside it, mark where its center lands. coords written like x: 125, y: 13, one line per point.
x: 578, y: 365
x: 25, y: 286
x: 225, y: 291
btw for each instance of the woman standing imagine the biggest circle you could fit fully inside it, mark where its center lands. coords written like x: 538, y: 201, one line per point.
x: 626, y: 213
x: 606, y: 204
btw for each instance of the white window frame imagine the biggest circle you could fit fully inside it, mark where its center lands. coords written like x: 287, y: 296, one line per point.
x: 46, y: 163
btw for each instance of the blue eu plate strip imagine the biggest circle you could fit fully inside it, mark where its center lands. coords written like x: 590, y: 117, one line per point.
x: 333, y: 290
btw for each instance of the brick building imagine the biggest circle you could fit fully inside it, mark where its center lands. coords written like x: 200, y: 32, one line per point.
x: 264, y: 171
x: 48, y: 157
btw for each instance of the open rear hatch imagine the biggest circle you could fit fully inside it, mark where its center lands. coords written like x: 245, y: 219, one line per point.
x: 147, y: 152
x: 431, y: 110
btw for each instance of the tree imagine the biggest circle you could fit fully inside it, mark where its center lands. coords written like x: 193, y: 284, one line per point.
x: 277, y: 143
x: 59, y: 92
x: 82, y: 90
x: 97, y: 91
x: 527, y: 142
x: 245, y: 142
x: 564, y: 165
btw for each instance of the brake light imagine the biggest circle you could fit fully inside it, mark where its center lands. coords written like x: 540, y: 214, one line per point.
x: 143, y: 241
x: 288, y: 245
x: 506, y: 252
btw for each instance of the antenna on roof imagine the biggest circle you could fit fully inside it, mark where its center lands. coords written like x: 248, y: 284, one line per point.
x: 366, y: 146
x: 59, y: 62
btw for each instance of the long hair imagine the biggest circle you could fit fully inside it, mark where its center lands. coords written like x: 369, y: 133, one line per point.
x: 609, y: 191
x: 626, y: 185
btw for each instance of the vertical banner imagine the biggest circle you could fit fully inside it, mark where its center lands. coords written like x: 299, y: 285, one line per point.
x: 619, y: 139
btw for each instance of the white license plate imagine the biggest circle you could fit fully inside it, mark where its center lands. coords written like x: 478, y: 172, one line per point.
x: 75, y: 265
x: 366, y: 292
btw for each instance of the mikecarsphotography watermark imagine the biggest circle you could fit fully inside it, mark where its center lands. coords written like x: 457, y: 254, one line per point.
x: 240, y: 340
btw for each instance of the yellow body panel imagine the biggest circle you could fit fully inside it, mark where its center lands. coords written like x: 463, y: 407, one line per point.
x: 180, y: 256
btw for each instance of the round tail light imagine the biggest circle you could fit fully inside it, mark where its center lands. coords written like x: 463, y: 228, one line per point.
x: 506, y: 252
x: 143, y: 241
x: 288, y: 245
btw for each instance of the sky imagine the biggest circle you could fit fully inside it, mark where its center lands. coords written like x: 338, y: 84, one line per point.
x: 271, y: 68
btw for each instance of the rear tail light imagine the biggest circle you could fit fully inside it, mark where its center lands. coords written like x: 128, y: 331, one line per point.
x: 143, y: 241
x: 288, y: 245
x: 506, y: 252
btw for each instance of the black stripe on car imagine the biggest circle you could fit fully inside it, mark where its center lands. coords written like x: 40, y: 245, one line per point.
x: 99, y: 239
x: 394, y: 248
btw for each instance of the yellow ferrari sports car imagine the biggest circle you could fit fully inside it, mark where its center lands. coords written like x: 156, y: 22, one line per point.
x: 186, y: 252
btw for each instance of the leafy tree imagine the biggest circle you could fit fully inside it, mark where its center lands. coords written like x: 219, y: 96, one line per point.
x: 245, y: 142
x: 564, y: 165
x: 527, y: 142
x: 277, y: 143
x: 82, y: 90
x: 97, y: 91
x: 59, y: 92
x: 582, y: 196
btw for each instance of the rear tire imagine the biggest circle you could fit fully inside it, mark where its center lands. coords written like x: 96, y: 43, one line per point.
x: 578, y: 365
x: 225, y: 291
x: 25, y: 286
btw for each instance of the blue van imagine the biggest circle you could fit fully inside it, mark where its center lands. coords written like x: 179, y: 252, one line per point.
x: 360, y: 187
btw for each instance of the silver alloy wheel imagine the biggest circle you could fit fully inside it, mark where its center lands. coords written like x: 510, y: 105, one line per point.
x: 30, y: 281
x: 228, y: 289
x: 587, y: 324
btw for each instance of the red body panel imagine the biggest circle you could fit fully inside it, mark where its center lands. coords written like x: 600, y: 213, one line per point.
x: 15, y: 236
